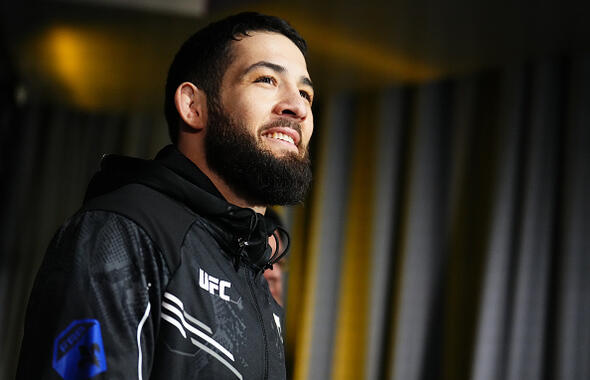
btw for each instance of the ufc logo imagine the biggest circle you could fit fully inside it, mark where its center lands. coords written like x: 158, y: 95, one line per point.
x: 213, y: 285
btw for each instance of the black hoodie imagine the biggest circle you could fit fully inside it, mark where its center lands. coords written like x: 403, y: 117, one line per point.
x: 156, y: 277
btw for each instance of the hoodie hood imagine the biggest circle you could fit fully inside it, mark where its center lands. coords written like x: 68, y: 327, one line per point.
x: 174, y: 175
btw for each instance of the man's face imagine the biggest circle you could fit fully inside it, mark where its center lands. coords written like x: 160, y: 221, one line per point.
x: 260, y: 124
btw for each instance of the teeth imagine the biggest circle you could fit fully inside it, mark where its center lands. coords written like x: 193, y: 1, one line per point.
x: 281, y: 136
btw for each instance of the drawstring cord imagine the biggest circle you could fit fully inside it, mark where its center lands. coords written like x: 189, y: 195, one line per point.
x: 277, y: 256
x: 258, y: 223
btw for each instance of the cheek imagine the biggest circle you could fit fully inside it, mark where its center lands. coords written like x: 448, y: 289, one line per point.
x: 254, y: 113
x: 242, y: 104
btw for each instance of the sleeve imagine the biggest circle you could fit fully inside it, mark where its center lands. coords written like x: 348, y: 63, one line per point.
x: 94, y: 308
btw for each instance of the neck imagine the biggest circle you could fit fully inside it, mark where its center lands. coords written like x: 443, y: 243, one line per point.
x: 197, y: 156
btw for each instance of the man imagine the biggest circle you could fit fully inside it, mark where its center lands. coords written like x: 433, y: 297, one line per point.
x: 159, y: 275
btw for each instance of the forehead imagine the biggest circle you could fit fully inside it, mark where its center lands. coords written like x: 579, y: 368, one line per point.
x: 271, y: 47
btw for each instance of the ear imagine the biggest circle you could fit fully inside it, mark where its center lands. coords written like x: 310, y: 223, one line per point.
x: 191, y: 104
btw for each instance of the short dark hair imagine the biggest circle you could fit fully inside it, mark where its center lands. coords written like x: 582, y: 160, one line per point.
x: 205, y: 56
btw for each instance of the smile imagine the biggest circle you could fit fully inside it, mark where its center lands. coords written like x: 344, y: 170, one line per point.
x: 280, y: 136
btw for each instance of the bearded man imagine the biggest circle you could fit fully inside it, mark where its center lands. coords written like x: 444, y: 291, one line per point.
x: 159, y: 275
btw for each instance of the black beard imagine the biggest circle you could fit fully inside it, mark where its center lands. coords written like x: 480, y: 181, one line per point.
x: 253, y: 173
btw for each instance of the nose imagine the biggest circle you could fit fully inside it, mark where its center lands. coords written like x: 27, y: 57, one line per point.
x: 292, y: 105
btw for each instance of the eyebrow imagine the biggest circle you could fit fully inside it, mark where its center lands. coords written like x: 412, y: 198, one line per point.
x: 278, y: 69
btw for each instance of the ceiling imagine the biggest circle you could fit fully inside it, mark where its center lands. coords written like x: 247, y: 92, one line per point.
x: 114, y: 54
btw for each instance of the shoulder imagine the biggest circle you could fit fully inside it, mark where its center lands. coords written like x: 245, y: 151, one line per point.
x: 164, y: 220
x: 95, y: 238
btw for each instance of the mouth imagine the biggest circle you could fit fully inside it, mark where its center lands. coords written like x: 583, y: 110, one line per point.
x: 285, y: 135
x: 279, y: 136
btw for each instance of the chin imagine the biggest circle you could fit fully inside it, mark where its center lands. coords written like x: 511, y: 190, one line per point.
x: 285, y: 153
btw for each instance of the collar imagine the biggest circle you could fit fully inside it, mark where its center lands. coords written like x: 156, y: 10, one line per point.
x: 173, y: 159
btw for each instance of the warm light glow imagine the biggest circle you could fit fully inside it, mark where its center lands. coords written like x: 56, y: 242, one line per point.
x: 94, y: 68
x: 67, y: 58
x: 65, y: 49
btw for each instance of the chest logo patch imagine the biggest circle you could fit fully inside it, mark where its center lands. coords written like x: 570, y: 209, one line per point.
x: 78, y: 351
x: 214, y: 285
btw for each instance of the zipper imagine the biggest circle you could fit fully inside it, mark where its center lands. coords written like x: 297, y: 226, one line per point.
x: 261, y: 320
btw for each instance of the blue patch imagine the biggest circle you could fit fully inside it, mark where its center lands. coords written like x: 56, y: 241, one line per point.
x: 78, y: 352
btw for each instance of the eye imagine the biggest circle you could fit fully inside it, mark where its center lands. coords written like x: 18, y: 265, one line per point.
x: 305, y: 95
x: 265, y: 79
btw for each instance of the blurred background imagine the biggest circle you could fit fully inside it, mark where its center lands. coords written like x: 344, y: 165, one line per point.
x: 447, y: 235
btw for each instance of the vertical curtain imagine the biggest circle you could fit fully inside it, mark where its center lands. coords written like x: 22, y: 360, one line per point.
x: 572, y: 330
x: 449, y: 231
